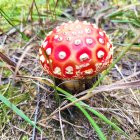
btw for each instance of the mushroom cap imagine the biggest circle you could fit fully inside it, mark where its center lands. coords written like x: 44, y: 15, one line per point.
x: 75, y: 50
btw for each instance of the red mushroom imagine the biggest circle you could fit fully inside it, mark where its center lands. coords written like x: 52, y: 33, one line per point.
x: 76, y: 50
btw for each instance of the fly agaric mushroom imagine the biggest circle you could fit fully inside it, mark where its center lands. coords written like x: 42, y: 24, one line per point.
x: 75, y: 50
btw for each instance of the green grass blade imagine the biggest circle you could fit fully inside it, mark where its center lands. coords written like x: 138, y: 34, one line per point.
x: 93, y: 123
x: 91, y: 120
x: 101, y: 116
x: 17, y: 111
x: 134, y: 22
x: 12, y: 24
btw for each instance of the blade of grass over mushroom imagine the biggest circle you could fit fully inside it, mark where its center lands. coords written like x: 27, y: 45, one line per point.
x: 12, y: 24
x: 101, y: 116
x: 17, y: 111
x: 107, y: 121
x: 91, y: 120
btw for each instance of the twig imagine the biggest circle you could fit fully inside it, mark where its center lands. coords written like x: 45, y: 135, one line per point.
x: 129, y: 88
x: 7, y: 60
x: 22, y: 56
x: 61, y: 126
x: 36, y: 112
x: 99, y: 90
x: 19, y: 129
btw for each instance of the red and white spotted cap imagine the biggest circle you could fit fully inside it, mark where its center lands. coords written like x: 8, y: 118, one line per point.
x: 75, y: 50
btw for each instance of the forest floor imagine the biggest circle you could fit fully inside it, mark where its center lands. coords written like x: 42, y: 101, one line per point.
x: 30, y: 95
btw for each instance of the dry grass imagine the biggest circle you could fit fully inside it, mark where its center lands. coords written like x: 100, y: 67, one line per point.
x: 120, y: 106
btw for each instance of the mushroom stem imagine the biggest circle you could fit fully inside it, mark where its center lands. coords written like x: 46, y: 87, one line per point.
x: 76, y: 86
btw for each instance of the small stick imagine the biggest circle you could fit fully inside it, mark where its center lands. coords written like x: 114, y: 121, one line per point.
x: 36, y: 112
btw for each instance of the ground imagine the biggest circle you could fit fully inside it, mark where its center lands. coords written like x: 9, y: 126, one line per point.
x: 36, y: 99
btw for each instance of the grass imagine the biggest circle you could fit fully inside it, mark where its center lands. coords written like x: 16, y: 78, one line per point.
x: 21, y: 14
x: 17, y: 111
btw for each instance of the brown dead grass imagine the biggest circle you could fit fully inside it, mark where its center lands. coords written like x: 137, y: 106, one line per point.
x: 120, y: 106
